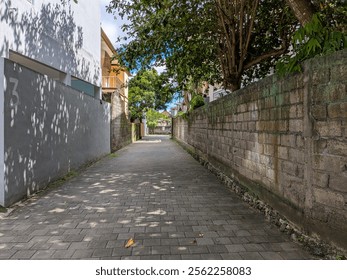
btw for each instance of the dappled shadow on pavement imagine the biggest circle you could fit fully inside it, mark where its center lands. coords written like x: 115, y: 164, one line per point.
x: 151, y: 192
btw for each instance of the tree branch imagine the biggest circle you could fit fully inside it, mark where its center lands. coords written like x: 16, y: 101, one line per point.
x: 257, y: 60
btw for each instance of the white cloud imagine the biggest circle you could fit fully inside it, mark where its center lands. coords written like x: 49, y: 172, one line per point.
x: 109, y: 24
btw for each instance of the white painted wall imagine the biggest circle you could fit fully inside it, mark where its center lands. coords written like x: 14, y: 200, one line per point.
x: 65, y: 37
x: 2, y: 132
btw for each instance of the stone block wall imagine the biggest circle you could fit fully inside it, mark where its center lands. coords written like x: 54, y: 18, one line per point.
x: 285, y: 140
x: 121, y: 128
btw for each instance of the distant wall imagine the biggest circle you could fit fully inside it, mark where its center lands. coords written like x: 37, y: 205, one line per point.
x: 121, y: 128
x: 47, y: 129
x: 285, y: 140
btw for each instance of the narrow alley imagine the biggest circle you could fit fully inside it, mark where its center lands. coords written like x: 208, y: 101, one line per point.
x: 152, y: 193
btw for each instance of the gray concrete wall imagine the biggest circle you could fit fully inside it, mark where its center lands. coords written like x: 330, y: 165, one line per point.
x: 284, y: 140
x: 49, y: 129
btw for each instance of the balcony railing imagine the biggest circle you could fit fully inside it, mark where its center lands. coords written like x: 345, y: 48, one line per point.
x: 111, y: 82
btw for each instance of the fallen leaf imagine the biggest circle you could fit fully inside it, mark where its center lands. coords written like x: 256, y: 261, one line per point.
x: 129, y: 243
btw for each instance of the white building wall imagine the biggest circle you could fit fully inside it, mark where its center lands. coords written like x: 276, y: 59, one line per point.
x: 65, y: 37
x: 2, y: 130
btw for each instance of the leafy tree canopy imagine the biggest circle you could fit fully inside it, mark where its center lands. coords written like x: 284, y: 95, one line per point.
x: 206, y: 40
x: 153, y: 117
x: 149, y: 90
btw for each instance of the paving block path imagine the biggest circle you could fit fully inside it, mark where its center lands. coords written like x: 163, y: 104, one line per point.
x: 153, y: 192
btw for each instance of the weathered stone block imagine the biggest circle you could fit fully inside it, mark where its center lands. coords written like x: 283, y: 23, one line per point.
x: 321, y: 76
x: 270, y: 173
x: 319, y: 213
x: 320, y: 179
x: 296, y: 155
x: 270, y: 102
x: 339, y: 73
x: 334, y: 110
x: 295, y: 193
x: 296, y: 125
x: 264, y: 114
x: 252, y: 126
x: 319, y: 112
x: 327, y: 163
x: 273, y: 139
x: 336, y: 147
x: 320, y: 93
x: 283, y: 153
x: 269, y: 150
x: 300, y: 141
x: 338, y: 182
x: 292, y: 112
x: 328, y: 197
x: 329, y: 128
x: 338, y: 92
x: 320, y: 146
x: 288, y: 140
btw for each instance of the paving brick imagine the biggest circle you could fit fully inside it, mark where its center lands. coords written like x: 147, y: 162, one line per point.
x: 82, y: 254
x: 63, y: 254
x: 23, y: 254
x: 161, y: 250
x: 43, y: 254
x: 231, y: 256
x: 205, y: 241
x: 102, y: 252
x: 271, y: 256
x: 164, y: 221
x: 236, y: 248
x: 251, y: 256
x: 121, y: 252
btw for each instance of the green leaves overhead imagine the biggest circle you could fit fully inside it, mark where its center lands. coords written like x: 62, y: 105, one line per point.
x: 325, y: 33
x: 229, y: 41
x: 205, y: 40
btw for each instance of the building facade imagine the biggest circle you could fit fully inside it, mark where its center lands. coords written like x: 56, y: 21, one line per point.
x: 52, y: 119
x: 55, y: 38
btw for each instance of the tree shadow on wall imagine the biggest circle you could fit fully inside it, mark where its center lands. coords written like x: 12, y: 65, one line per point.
x: 50, y: 36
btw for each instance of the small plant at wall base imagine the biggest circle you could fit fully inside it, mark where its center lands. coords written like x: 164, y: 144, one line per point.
x: 312, y: 40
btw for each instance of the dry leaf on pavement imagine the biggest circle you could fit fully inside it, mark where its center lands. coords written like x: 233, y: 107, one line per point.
x: 129, y: 243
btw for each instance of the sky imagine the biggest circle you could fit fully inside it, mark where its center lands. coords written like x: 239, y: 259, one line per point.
x: 112, y: 27
x: 109, y: 24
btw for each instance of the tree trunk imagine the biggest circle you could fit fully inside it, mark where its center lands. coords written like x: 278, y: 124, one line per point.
x: 303, y: 10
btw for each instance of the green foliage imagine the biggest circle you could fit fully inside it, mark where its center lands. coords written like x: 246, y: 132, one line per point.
x: 197, y: 101
x: 149, y: 90
x: 183, y: 115
x: 153, y: 117
x: 340, y: 257
x: 324, y: 34
x: 193, y: 41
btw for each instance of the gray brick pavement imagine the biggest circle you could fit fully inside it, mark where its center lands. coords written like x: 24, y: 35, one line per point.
x: 153, y: 192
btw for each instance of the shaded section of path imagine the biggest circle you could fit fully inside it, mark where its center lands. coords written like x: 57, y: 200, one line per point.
x: 151, y: 191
